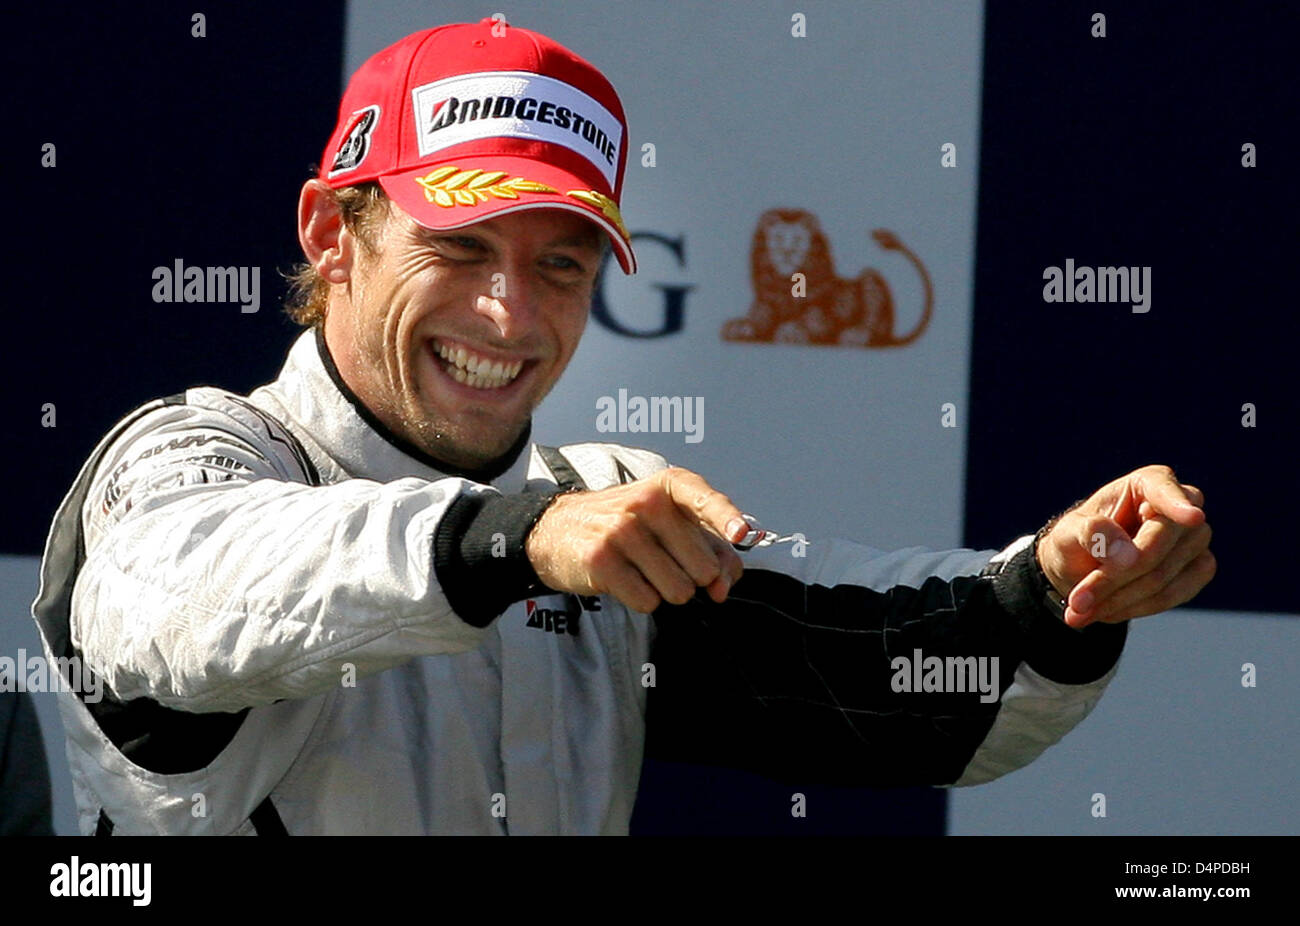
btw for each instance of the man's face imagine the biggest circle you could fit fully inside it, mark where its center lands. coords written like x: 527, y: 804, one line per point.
x: 453, y: 338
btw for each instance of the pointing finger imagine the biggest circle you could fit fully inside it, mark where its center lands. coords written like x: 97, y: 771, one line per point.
x: 701, y: 501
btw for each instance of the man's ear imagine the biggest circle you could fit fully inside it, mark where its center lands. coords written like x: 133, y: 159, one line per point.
x: 326, y: 242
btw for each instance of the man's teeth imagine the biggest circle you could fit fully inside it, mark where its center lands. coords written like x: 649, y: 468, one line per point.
x: 480, y: 372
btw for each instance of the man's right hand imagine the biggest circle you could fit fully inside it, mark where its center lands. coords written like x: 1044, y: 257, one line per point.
x: 651, y: 541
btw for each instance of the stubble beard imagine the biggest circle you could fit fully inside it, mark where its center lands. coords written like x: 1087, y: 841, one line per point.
x: 455, y: 443
x: 424, y: 428
x: 454, y: 447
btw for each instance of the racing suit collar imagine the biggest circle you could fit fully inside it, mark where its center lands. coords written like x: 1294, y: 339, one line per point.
x: 482, y: 474
x: 312, y: 390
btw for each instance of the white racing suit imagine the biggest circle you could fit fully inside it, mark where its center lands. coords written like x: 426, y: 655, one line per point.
x: 304, y: 625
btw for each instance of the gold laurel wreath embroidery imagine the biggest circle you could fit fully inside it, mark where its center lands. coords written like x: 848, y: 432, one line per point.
x: 606, y: 205
x: 451, y: 186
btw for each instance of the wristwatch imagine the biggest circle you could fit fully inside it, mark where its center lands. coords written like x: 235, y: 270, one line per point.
x: 1052, y: 599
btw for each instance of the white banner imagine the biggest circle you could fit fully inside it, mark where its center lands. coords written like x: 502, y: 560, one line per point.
x: 806, y: 256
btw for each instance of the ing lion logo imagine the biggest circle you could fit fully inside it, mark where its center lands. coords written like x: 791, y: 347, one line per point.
x: 855, y: 312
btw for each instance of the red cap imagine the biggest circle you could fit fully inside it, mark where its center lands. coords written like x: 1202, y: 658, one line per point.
x: 467, y: 122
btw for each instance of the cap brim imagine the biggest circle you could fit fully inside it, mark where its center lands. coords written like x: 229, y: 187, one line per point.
x: 467, y: 190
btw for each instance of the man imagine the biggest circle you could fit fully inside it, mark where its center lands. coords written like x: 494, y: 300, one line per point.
x: 362, y: 600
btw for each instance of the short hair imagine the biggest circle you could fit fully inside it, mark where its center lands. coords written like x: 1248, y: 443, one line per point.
x: 362, y: 208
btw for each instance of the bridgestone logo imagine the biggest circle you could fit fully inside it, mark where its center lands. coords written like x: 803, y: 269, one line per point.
x: 516, y: 104
x: 455, y: 112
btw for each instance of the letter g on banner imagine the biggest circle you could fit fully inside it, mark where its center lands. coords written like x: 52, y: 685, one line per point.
x: 674, y: 296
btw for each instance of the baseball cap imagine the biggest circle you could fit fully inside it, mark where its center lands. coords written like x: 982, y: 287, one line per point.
x: 466, y: 122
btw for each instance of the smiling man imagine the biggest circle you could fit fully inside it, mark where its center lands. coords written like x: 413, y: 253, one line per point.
x: 427, y: 346
x: 361, y: 599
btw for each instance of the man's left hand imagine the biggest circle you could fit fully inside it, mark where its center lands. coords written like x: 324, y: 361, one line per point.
x: 1137, y: 546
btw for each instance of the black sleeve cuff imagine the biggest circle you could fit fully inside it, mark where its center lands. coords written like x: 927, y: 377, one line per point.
x: 1054, y: 649
x: 479, y: 556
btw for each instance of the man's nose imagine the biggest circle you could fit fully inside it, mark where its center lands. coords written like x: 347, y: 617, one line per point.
x: 509, y: 302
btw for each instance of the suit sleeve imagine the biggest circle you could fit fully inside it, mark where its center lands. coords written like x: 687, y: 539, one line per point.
x: 849, y: 666
x: 216, y: 578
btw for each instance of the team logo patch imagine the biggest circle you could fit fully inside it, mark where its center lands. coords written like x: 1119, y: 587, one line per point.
x: 554, y: 620
x: 356, y: 145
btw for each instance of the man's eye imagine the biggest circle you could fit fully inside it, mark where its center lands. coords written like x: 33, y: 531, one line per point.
x: 460, y: 243
x: 564, y: 263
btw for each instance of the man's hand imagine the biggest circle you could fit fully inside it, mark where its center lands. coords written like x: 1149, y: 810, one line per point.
x: 1137, y: 546
x: 654, y: 540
